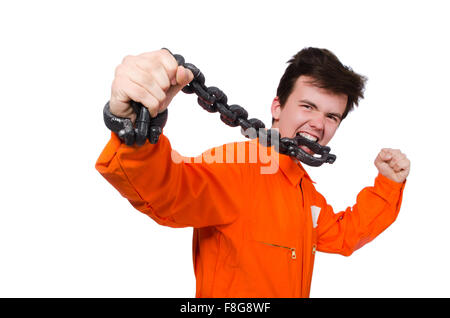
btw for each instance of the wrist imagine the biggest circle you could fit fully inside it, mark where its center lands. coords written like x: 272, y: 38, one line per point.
x: 128, y: 132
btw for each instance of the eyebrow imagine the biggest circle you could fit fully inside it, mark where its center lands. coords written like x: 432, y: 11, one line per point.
x: 310, y: 103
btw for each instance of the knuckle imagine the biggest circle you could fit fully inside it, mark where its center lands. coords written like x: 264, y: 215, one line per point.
x: 140, y: 78
x: 165, y: 54
x: 118, y: 70
x: 147, y: 60
x: 152, y: 106
x: 152, y: 103
x: 115, y: 83
x: 169, y: 60
x: 145, y: 65
x: 160, y: 79
x: 148, y: 55
x: 118, y: 84
x: 161, y: 97
x: 165, y: 85
x: 156, y: 92
x: 127, y: 59
x: 140, y: 94
x: 161, y: 55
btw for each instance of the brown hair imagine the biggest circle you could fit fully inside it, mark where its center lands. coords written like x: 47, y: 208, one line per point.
x: 328, y: 73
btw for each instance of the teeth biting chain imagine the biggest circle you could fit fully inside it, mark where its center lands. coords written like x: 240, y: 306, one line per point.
x: 308, y: 136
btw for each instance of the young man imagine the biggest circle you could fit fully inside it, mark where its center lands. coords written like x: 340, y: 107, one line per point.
x: 255, y: 234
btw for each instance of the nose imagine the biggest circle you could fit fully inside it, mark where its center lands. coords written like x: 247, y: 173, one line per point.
x: 317, y: 121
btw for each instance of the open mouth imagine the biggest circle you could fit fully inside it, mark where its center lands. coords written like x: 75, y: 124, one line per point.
x: 308, y: 136
x: 313, y: 153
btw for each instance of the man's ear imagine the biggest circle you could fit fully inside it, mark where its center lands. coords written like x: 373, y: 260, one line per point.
x: 276, y: 108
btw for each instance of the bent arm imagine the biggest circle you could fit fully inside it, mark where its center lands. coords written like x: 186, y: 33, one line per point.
x: 376, y: 208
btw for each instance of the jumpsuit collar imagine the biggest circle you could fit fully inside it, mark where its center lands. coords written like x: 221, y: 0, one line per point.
x: 292, y: 169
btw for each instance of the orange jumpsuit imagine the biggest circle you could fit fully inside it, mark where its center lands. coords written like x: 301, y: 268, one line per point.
x: 255, y: 235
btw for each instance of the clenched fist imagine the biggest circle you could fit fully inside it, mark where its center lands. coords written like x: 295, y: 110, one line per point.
x: 152, y: 79
x: 393, y: 164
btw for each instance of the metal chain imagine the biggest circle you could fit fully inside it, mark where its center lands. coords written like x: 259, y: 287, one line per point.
x: 212, y: 99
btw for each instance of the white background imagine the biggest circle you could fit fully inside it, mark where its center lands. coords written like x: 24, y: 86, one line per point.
x: 65, y: 231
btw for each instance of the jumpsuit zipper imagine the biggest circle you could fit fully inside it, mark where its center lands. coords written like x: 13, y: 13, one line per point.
x: 293, y: 252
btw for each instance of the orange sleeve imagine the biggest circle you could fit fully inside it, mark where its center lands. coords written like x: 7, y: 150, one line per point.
x: 376, y: 208
x: 173, y: 193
